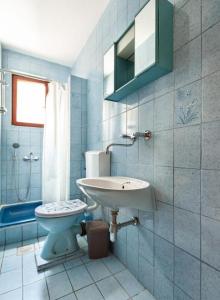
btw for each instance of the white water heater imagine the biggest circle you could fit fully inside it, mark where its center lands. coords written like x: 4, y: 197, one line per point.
x: 97, y: 163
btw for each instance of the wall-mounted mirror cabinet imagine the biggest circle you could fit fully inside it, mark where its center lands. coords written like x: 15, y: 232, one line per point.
x: 143, y: 53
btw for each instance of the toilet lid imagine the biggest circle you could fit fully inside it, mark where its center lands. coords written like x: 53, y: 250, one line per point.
x: 61, y: 209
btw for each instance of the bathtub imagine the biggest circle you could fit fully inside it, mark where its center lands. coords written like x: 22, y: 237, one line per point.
x: 18, y: 213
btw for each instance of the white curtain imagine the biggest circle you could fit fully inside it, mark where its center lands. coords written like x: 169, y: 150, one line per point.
x: 56, y: 144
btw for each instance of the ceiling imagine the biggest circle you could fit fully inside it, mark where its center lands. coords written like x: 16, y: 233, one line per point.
x: 55, y: 30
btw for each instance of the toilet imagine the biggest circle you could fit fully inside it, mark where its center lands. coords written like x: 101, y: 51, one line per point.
x: 62, y: 221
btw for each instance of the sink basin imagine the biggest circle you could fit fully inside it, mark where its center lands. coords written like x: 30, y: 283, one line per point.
x: 116, y: 192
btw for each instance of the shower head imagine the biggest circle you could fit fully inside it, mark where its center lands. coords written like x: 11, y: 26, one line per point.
x: 15, y: 145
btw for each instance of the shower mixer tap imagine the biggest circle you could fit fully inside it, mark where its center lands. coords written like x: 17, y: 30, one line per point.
x: 30, y: 157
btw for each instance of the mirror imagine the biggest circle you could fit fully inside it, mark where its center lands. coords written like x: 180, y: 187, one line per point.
x: 145, y: 37
x: 109, y: 69
x: 125, y: 58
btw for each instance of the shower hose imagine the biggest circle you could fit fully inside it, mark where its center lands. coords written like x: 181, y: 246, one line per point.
x: 15, y: 163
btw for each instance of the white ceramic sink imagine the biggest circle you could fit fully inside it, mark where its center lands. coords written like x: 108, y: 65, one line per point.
x: 116, y: 192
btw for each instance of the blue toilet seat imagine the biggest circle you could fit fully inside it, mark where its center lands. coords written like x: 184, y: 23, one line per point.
x: 60, y: 209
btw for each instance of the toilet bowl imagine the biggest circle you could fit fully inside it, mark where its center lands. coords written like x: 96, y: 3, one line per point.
x: 62, y: 221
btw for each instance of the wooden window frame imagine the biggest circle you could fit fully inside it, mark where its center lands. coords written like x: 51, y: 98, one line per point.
x: 15, y: 79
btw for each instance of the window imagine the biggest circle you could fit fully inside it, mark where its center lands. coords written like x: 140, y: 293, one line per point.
x: 28, y: 101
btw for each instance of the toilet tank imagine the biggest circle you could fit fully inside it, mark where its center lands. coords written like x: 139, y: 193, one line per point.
x: 97, y: 164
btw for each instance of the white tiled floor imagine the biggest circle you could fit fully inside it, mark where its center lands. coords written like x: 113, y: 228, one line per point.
x: 79, y: 279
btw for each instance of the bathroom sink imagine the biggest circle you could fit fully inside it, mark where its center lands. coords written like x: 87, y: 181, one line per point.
x: 116, y: 192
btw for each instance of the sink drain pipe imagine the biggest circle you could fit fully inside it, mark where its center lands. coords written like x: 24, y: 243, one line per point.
x: 114, y: 226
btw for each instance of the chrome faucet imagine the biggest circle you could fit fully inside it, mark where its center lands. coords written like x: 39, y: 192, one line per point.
x: 128, y: 136
x: 118, y: 144
x: 147, y: 134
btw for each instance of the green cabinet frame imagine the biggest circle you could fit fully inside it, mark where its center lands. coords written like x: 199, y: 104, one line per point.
x: 164, y: 56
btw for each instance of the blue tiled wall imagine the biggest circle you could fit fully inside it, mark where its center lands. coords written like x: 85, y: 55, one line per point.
x: 175, y: 251
x: 78, y: 132
x: 0, y: 119
x: 30, y: 139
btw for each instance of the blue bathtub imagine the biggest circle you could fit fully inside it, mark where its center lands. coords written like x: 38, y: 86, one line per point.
x: 18, y: 213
